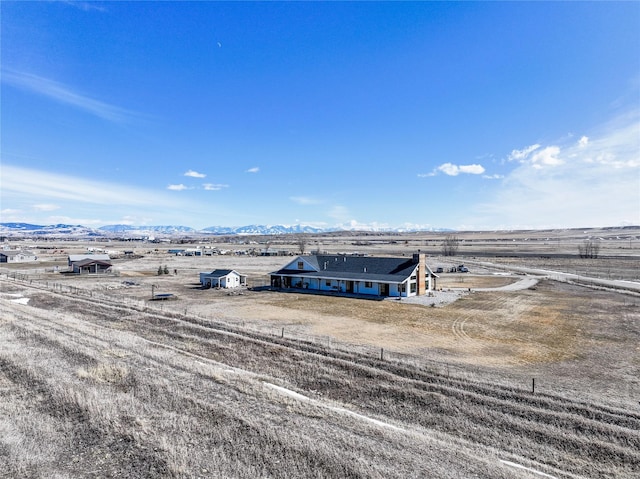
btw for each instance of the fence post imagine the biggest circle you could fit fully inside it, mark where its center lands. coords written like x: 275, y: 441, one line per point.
x: 282, y: 334
x: 381, y: 354
x: 533, y: 385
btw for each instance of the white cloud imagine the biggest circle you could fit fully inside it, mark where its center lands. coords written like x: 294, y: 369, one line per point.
x: 179, y: 187
x: 548, y: 156
x: 594, y: 182
x: 472, y: 169
x: 255, y: 169
x: 454, y: 170
x: 46, y: 207
x: 214, y: 187
x: 584, y: 141
x: 304, y: 200
x: 521, y: 155
x: 493, y: 177
x: 63, y: 94
x: 194, y: 174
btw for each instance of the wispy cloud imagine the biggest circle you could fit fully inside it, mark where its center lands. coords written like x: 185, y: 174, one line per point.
x: 46, y: 207
x: 179, y: 187
x: 65, y: 95
x: 87, y: 201
x: 214, y: 187
x: 521, y: 155
x: 255, y: 169
x: 9, y: 211
x: 86, y: 6
x: 194, y: 174
x: 47, y: 188
x: 305, y: 200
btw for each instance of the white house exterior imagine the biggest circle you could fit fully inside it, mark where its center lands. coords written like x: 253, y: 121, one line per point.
x: 223, y: 278
x: 17, y: 256
x: 364, y: 275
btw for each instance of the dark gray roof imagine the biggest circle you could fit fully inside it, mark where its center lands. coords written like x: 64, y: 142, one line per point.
x: 367, y: 268
x: 219, y: 273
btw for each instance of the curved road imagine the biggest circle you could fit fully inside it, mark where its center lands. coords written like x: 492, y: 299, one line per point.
x: 618, y: 285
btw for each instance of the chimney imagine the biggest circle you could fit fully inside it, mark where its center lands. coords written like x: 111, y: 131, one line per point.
x: 421, y: 260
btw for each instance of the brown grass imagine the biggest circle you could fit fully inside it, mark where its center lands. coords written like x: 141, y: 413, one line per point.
x: 95, y: 381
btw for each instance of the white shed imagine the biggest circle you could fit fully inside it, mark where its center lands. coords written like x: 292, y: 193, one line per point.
x: 223, y: 278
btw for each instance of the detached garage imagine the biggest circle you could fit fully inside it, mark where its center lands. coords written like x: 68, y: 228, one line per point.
x: 223, y: 278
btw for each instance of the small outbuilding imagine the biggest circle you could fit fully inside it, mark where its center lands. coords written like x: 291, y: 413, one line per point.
x: 223, y: 278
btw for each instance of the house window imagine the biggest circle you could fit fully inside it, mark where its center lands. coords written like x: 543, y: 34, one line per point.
x: 300, y: 265
x: 413, y: 277
x: 413, y: 287
x: 368, y: 284
x: 327, y: 282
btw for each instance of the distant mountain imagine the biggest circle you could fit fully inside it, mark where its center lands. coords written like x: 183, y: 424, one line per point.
x: 47, y: 230
x: 23, y: 229
x: 147, y: 229
x: 264, y: 229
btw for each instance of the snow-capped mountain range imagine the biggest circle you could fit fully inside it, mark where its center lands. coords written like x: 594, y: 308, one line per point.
x: 24, y: 229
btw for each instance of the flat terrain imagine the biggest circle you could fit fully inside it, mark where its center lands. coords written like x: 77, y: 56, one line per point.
x: 96, y: 380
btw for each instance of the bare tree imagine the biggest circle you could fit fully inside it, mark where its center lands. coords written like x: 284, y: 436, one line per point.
x: 450, y: 245
x: 589, y: 249
x: 301, y: 241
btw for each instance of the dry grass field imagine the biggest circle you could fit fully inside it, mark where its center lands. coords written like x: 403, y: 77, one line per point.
x: 96, y: 380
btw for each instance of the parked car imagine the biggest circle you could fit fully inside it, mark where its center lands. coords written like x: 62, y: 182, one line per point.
x: 439, y: 270
x: 463, y: 269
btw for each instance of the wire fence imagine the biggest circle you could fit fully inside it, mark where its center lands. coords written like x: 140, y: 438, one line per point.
x: 430, y: 361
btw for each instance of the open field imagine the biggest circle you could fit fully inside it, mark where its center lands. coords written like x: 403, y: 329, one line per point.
x: 98, y: 381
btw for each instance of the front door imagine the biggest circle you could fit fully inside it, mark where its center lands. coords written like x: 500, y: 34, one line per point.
x: 349, y: 286
x: 384, y: 289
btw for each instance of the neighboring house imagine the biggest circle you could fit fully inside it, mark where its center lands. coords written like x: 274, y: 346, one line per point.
x: 17, y: 256
x: 368, y: 275
x: 89, y: 263
x: 223, y: 278
x: 91, y: 266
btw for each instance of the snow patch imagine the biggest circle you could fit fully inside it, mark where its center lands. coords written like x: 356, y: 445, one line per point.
x: 287, y: 392
x: 20, y: 300
x: 519, y: 466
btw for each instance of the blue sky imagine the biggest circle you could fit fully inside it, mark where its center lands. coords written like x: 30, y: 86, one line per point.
x: 464, y: 115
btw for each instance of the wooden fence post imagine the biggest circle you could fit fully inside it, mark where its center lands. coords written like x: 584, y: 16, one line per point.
x: 381, y: 354
x: 533, y: 385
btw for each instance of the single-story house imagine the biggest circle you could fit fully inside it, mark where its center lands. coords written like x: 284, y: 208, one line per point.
x: 17, y: 256
x: 223, y: 278
x: 367, y: 275
x: 89, y: 263
x: 88, y: 266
